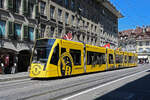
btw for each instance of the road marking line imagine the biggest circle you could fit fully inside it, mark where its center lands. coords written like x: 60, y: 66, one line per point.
x: 86, y: 91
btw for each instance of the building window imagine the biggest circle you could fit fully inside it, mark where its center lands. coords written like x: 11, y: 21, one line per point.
x: 31, y: 34
x: 95, y: 28
x: 72, y: 4
x: 17, y: 4
x: 66, y: 17
x: 2, y: 28
x: 25, y: 7
x: 26, y: 34
x: 148, y: 50
x: 59, y: 14
x: 10, y: 5
x: 140, y: 43
x: 52, y: 10
x: 72, y: 20
x: 17, y: 31
x: 87, y: 25
x: 42, y: 8
x: 147, y: 43
x: 52, y: 31
x: 67, y: 3
x: 92, y: 27
x: 1, y: 3
x: 60, y: 1
x: 30, y: 10
x: 140, y: 49
x: 10, y: 29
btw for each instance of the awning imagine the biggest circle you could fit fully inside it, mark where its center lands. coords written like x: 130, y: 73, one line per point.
x: 142, y: 57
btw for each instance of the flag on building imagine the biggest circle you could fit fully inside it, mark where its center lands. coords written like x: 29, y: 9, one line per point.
x: 107, y: 45
x: 68, y: 36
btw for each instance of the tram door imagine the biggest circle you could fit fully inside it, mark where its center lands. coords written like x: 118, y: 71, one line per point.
x: 84, y: 51
x: 110, y: 59
x: 125, y: 59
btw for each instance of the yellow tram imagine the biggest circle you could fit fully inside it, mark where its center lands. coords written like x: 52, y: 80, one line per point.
x: 59, y: 57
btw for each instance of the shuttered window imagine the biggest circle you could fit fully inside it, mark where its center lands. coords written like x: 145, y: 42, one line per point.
x: 10, y: 4
x: 36, y: 11
x: 25, y: 33
x: 31, y: 34
x: 2, y: 28
x: 25, y: 7
x: 10, y: 30
x: 17, y: 4
x: 17, y: 31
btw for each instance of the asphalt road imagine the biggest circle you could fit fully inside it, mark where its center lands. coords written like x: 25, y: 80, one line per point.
x: 123, y: 84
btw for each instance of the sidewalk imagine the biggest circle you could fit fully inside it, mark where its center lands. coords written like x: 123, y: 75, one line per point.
x: 20, y: 75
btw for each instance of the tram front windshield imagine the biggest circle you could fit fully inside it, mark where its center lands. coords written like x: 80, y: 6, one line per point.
x: 42, y: 50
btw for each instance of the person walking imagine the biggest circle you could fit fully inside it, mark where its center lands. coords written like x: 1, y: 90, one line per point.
x: 14, y: 67
x: 2, y: 64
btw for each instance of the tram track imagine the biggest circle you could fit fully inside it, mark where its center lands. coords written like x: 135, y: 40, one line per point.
x: 15, y: 84
x: 28, y: 81
x: 93, y: 83
x: 55, y: 89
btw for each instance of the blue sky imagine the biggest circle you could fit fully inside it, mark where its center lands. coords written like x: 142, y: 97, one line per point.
x: 136, y: 13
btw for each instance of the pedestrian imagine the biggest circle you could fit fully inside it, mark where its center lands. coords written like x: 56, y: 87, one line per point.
x: 2, y: 64
x: 14, y: 67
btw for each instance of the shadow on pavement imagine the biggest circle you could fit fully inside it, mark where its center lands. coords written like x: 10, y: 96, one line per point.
x: 136, y: 90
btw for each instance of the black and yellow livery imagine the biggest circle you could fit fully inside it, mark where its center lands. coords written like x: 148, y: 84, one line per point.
x: 59, y: 57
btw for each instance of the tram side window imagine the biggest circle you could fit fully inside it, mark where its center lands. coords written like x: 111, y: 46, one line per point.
x: 102, y: 59
x: 76, y: 55
x: 89, y: 58
x: 126, y: 60
x: 111, y: 59
x: 131, y: 59
x: 119, y: 58
x: 94, y: 58
x: 55, y: 56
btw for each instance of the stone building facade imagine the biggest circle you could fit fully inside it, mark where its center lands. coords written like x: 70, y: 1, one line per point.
x: 22, y: 21
x: 17, y: 30
x: 136, y: 40
x: 91, y: 21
